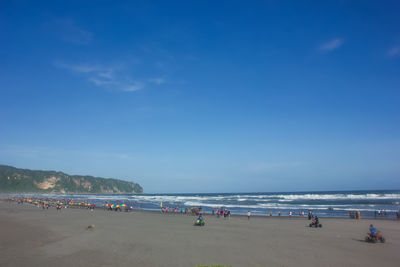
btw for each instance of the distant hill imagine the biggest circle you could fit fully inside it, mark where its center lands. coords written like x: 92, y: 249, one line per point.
x: 14, y: 180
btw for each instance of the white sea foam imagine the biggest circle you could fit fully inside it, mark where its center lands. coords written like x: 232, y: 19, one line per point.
x: 278, y: 206
x: 320, y: 196
x: 281, y: 198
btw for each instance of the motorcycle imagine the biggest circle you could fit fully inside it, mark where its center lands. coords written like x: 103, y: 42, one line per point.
x: 373, y: 238
x: 199, y: 222
x: 315, y: 223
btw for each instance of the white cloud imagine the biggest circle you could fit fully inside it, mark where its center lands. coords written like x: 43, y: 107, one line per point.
x: 81, y: 68
x: 394, y: 51
x: 331, y: 45
x: 100, y: 82
x: 133, y: 87
x: 157, y: 81
x: 103, y: 76
x: 106, y: 74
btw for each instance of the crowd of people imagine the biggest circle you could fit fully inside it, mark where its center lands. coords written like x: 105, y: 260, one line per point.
x: 176, y: 209
x: 59, y: 204
x: 221, y: 212
x: 46, y: 203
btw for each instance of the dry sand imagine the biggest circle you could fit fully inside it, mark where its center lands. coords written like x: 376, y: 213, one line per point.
x: 34, y: 237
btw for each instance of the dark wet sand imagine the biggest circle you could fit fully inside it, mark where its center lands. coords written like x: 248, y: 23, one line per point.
x: 34, y: 237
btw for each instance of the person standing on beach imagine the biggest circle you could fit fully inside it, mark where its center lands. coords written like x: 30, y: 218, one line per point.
x: 248, y: 215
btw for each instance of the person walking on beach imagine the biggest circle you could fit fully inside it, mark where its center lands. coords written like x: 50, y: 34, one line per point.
x: 248, y: 215
x: 358, y: 216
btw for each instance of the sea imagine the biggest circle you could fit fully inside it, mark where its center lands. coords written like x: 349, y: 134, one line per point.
x: 381, y: 203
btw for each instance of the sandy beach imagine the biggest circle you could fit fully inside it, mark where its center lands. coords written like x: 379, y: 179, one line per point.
x: 31, y: 236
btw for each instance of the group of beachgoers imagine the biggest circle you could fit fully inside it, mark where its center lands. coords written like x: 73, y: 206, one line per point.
x: 176, y: 209
x: 380, y: 213
x: 46, y: 203
x: 221, y: 213
x: 355, y: 214
x: 377, y: 213
x: 59, y: 204
x: 186, y: 211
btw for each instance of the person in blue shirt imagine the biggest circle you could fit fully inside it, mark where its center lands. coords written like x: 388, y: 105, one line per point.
x: 372, y: 230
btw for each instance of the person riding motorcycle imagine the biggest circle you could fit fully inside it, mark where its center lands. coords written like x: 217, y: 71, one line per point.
x: 199, y: 221
x: 374, y: 235
x: 315, y: 221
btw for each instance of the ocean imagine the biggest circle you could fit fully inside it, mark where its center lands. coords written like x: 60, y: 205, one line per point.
x: 324, y: 204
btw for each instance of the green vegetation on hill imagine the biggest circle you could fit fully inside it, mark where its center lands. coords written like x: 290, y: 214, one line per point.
x: 14, y: 180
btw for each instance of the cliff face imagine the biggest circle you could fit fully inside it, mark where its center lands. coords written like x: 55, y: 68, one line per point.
x: 14, y: 180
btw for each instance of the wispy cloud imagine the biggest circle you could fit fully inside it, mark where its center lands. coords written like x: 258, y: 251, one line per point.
x: 106, y: 76
x: 133, y: 86
x: 157, y: 81
x: 100, y: 82
x: 394, y: 51
x: 331, y: 45
x: 69, y: 31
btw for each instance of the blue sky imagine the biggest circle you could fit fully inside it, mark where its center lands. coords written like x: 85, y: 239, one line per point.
x: 205, y: 96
